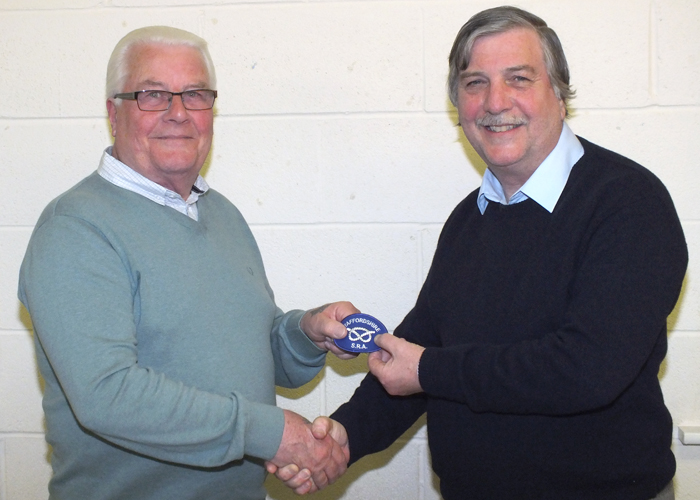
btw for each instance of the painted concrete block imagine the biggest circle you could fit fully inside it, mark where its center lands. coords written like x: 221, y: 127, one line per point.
x: 27, y: 470
x: 687, y: 480
x: 9, y: 5
x: 678, y: 57
x: 375, y: 267
x: 307, y: 400
x: 45, y: 158
x: 13, y: 243
x: 65, y: 75
x: 373, y: 169
x: 317, y: 58
x: 682, y: 366
x: 20, y: 385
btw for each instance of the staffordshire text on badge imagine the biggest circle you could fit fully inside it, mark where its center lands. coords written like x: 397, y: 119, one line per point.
x: 361, y: 331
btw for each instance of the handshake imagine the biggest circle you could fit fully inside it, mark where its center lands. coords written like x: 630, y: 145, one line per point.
x: 310, y: 456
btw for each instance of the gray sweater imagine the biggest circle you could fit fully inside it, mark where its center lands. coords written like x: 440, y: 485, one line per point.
x: 160, y: 345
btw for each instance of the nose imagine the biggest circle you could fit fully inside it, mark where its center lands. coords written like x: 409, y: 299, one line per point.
x: 177, y: 110
x: 497, y: 98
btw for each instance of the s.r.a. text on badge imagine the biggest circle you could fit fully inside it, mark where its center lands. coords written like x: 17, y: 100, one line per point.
x: 361, y: 331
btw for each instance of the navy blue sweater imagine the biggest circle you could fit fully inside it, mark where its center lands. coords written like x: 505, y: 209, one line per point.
x: 544, y: 334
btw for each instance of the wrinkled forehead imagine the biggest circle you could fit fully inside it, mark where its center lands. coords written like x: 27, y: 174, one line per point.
x: 514, y: 42
x: 166, y: 64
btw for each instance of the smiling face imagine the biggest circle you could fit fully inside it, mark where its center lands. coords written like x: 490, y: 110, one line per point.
x: 167, y: 147
x: 507, y: 106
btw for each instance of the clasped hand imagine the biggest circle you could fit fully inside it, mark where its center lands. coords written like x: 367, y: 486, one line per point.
x: 323, y: 325
x: 310, y: 457
x: 396, y: 365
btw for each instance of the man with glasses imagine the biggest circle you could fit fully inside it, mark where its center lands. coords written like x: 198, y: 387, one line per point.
x: 156, y: 330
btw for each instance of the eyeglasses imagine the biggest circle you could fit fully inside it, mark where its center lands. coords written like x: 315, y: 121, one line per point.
x: 160, y: 100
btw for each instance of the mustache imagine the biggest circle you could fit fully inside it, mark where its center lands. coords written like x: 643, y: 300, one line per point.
x: 500, y: 120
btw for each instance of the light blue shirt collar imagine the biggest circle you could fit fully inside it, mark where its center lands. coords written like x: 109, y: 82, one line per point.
x: 125, y: 177
x: 546, y: 183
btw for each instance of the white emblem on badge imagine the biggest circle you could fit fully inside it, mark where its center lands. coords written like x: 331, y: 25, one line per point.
x: 361, y: 331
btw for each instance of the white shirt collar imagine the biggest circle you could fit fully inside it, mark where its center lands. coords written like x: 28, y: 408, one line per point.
x: 546, y: 183
x: 125, y: 177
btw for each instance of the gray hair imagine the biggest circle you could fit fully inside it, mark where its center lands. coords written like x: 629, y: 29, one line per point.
x: 118, y: 66
x: 500, y: 20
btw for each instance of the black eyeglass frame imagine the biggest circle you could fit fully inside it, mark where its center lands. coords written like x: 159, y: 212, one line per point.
x: 133, y: 96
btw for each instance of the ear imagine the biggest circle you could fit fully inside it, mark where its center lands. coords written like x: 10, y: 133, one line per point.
x: 112, y: 112
x: 562, y: 109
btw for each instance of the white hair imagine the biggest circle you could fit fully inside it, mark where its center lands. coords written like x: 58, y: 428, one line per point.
x: 118, y: 66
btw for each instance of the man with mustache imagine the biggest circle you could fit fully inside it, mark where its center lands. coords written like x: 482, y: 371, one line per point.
x: 156, y: 330
x: 535, y: 343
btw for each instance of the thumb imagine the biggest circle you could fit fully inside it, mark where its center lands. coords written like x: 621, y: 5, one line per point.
x: 376, y: 361
x: 386, y: 341
x: 321, y: 427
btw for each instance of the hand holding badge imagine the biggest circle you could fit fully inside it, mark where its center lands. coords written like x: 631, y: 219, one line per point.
x: 361, y: 331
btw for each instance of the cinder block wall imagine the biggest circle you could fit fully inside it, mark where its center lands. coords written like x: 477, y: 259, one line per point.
x: 335, y: 138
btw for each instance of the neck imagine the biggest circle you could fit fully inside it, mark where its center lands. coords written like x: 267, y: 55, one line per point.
x: 510, y: 179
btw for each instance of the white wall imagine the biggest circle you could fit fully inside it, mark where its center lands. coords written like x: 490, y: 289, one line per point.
x: 335, y: 138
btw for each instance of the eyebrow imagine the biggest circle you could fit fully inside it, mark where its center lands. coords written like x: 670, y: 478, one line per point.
x: 512, y: 69
x: 155, y: 83
x: 523, y: 67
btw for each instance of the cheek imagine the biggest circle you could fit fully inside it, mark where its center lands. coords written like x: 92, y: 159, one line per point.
x: 205, y: 128
x: 141, y: 127
x: 468, y: 110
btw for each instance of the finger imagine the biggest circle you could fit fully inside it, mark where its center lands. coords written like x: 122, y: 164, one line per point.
x: 376, y: 364
x: 299, y: 480
x: 386, y: 341
x: 328, y: 321
x: 334, y: 329
x: 320, y: 479
x: 290, y: 472
x: 341, y: 354
x: 339, y: 465
x: 380, y: 355
x: 307, y: 487
x: 340, y: 310
x: 270, y: 467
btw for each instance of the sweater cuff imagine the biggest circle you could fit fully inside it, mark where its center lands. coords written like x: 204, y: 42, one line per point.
x: 300, y: 343
x: 263, y: 434
x: 428, y: 367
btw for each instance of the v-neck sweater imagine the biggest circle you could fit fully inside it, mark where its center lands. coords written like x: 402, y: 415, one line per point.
x: 160, y: 345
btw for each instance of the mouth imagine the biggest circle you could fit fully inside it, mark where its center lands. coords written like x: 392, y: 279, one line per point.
x: 499, y: 124
x: 501, y: 128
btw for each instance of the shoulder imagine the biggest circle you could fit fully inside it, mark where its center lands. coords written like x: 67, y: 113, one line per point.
x: 606, y: 170
x: 89, y: 199
x: 464, y: 209
x: 459, y: 219
x: 606, y: 188
x: 218, y: 200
